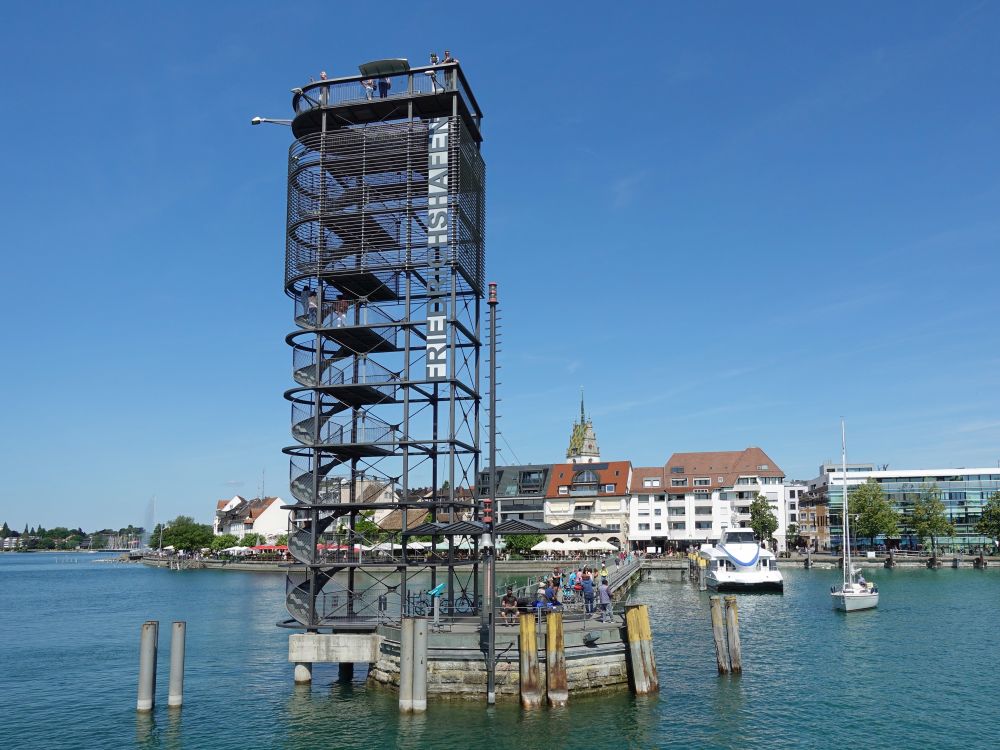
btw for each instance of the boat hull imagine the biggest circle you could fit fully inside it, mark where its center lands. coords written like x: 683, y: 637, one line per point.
x: 850, y: 602
x: 754, y: 587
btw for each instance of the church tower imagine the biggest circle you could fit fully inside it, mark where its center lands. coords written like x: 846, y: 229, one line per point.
x: 583, y: 442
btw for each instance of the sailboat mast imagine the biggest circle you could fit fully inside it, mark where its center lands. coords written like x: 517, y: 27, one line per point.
x: 847, y: 521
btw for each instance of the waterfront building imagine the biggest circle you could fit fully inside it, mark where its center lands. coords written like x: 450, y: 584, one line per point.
x: 520, y: 491
x: 239, y: 517
x: 593, y: 493
x: 963, y: 491
x: 695, y: 496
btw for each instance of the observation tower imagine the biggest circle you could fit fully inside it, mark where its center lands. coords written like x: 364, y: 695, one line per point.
x: 384, y: 269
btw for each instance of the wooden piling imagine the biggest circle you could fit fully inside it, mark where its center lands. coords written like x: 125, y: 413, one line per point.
x: 733, y: 631
x: 702, y: 575
x: 719, y: 634
x: 640, y: 644
x: 557, y: 684
x: 531, y: 693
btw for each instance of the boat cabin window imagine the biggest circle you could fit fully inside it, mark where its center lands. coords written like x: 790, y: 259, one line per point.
x: 740, y: 537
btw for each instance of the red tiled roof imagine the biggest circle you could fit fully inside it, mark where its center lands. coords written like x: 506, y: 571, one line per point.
x: 608, y: 472
x: 730, y: 465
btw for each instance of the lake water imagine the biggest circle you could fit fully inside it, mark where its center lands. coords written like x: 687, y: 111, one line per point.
x: 921, y: 670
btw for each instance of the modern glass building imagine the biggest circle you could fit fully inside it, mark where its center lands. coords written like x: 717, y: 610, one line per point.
x: 964, y: 492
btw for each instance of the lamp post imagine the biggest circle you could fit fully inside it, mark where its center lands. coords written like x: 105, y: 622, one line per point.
x: 269, y: 121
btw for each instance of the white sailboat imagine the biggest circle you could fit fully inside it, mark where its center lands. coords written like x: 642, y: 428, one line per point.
x: 853, y: 594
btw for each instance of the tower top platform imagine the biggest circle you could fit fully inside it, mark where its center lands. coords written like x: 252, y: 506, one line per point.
x: 439, y: 90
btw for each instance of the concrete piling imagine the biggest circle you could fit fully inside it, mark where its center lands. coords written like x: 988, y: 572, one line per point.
x: 148, y: 636
x: 303, y: 673
x: 555, y: 660
x: 733, y: 628
x: 420, y: 665
x: 809, y: 558
x: 531, y: 694
x: 175, y: 693
x: 406, y: 665
x: 719, y: 634
x: 702, y: 575
x: 640, y: 642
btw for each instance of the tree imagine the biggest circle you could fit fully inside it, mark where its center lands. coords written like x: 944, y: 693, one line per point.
x: 369, y: 531
x: 762, y: 519
x: 281, y: 540
x: 791, y: 535
x: 224, y: 541
x: 251, y: 540
x: 989, y: 521
x: 871, y: 512
x: 521, y: 544
x: 5, y: 532
x: 184, y: 533
x: 928, y: 517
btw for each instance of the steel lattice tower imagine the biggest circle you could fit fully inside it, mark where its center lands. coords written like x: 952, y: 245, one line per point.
x: 385, y: 265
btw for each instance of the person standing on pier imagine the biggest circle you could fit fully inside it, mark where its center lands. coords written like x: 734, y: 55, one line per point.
x: 604, y: 591
x: 588, y: 592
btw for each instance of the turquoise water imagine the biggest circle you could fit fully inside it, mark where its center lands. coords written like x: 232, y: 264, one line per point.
x: 920, y: 671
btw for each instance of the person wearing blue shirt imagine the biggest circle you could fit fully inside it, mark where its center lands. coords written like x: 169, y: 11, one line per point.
x: 588, y: 594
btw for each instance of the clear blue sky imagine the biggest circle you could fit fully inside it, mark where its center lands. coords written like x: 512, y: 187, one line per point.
x: 731, y: 222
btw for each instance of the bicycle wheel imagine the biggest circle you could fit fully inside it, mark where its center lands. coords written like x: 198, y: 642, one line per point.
x: 419, y: 607
x: 463, y: 605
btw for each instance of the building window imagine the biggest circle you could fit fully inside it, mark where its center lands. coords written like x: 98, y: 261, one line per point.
x: 721, y: 480
x: 703, y: 524
x: 657, y: 526
x: 676, y: 469
x: 675, y: 512
x: 657, y: 511
x: 585, y: 480
x: 703, y: 510
x: 609, y: 488
x: 643, y: 498
x: 563, y: 490
x: 643, y: 527
x: 791, y: 517
x: 651, y: 482
x: 678, y: 482
x: 677, y: 526
x: 763, y: 467
x: 702, y: 482
x: 643, y: 512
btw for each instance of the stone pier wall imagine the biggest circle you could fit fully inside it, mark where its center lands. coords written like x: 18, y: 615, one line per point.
x: 456, y: 665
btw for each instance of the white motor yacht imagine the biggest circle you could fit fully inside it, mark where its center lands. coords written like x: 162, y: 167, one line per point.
x: 737, y: 562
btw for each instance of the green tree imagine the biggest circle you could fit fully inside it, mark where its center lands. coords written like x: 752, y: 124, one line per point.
x: 281, y: 540
x: 791, y: 536
x: 871, y: 512
x: 762, y: 519
x: 184, y: 533
x: 224, y: 541
x: 5, y: 532
x: 989, y: 521
x: 371, y: 533
x: 928, y: 516
x: 521, y: 544
x: 251, y: 540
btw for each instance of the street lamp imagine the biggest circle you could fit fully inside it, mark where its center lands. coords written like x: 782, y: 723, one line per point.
x: 259, y: 120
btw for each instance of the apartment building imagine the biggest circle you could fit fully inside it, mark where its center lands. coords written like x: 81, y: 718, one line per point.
x: 595, y: 493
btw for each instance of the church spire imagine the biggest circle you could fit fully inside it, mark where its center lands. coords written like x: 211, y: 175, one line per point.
x: 583, y: 442
x: 582, y: 417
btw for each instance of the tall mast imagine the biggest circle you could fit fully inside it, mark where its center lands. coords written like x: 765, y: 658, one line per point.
x: 847, y: 521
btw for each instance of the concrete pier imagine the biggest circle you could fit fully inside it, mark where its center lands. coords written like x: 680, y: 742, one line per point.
x: 420, y: 665
x: 148, y: 637
x: 175, y: 693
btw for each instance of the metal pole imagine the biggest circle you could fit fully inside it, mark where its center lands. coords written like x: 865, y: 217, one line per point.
x: 147, y: 665
x: 491, y: 694
x: 175, y: 693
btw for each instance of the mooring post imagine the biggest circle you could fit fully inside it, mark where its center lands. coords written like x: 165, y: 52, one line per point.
x: 733, y: 629
x: 809, y: 558
x: 702, y: 576
x: 406, y: 665
x: 719, y: 634
x: 420, y: 665
x: 555, y: 660
x: 148, y: 636
x: 640, y: 646
x: 175, y: 693
x: 531, y: 695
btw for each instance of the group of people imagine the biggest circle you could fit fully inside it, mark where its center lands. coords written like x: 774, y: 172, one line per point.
x: 382, y: 84
x: 311, y: 306
x: 552, y: 593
